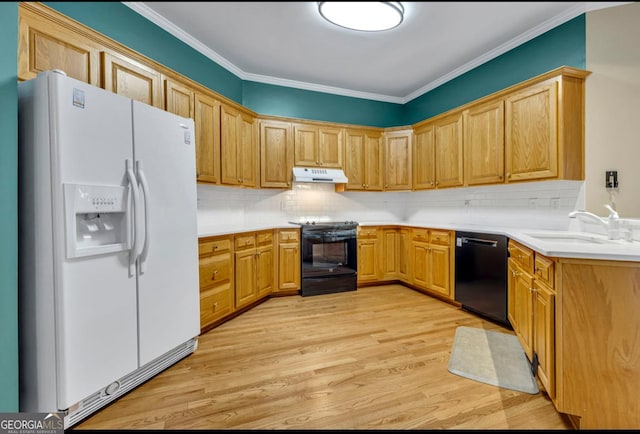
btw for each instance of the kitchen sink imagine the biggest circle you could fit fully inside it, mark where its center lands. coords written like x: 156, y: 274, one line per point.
x: 569, y: 238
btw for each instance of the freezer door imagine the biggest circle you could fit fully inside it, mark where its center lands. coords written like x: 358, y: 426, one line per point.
x: 95, y: 298
x: 168, y: 291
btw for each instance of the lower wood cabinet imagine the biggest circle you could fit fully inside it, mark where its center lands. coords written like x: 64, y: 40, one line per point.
x: 254, y: 267
x: 216, y: 279
x: 288, y: 260
x: 368, y: 254
x: 239, y: 269
x: 531, y: 309
x: 598, y: 346
x: 432, y: 261
x: 420, y: 257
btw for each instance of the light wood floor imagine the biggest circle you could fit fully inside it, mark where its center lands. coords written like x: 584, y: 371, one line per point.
x: 375, y: 358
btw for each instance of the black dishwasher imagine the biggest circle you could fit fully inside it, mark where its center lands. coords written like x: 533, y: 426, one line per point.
x: 481, y: 274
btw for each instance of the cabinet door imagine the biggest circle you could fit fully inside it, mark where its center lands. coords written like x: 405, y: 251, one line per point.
x: 229, y: 138
x: 424, y: 173
x: 305, y: 139
x: 132, y: 79
x: 330, y: 147
x: 248, y: 151
x: 449, y: 152
x: 354, y: 162
x: 397, y: 156
x: 544, y: 336
x: 288, y: 266
x: 531, y: 142
x: 420, y: 256
x: 439, y: 267
x: 363, y: 160
x: 207, y: 126
x: 265, y: 265
x: 511, y: 293
x: 404, y: 255
x: 245, y: 277
x: 484, y: 144
x: 179, y: 99
x: 523, y: 310
x: 45, y: 45
x: 367, y: 260
x: 389, y: 254
x: 276, y: 154
x: 373, y: 161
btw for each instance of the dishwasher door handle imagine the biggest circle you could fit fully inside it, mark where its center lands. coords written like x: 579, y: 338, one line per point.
x: 476, y: 241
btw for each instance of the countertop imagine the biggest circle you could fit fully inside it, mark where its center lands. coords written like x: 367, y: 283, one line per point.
x: 595, y: 246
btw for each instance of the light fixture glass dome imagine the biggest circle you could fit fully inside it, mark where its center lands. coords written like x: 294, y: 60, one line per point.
x: 363, y: 16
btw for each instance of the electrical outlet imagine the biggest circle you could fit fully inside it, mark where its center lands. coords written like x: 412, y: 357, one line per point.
x: 554, y: 202
x: 611, y: 179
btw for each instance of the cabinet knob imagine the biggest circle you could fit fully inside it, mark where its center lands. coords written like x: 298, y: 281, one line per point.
x: 437, y: 182
x: 508, y: 175
x: 215, y: 306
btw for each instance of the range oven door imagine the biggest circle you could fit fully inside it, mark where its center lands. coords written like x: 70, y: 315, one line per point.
x: 329, y: 262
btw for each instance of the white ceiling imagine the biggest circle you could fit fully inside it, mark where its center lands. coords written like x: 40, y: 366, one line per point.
x: 289, y: 44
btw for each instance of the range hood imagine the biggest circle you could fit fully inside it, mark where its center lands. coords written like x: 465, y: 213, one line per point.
x: 316, y: 174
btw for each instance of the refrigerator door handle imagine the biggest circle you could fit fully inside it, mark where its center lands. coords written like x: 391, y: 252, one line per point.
x: 145, y: 191
x: 133, y: 253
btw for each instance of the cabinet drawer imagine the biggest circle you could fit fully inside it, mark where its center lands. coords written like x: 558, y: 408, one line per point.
x: 209, y: 246
x: 544, y: 270
x: 420, y: 234
x: 215, y: 303
x: 522, y: 255
x: 245, y: 241
x: 289, y: 236
x: 439, y: 237
x: 367, y: 232
x: 264, y: 238
x: 215, y: 269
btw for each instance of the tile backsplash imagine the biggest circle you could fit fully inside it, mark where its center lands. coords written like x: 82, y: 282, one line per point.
x: 542, y: 204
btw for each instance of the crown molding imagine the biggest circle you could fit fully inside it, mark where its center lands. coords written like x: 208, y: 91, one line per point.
x: 185, y: 37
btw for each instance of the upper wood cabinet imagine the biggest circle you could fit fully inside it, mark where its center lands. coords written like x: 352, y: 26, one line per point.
x: 448, y: 151
x: 276, y: 154
x: 238, y: 147
x: 397, y: 158
x: 424, y: 168
x: 179, y: 98
x: 531, y: 133
x: 46, y: 44
x: 363, y: 159
x: 317, y: 145
x: 207, y: 126
x: 484, y: 143
x: 544, y: 130
x: 132, y: 79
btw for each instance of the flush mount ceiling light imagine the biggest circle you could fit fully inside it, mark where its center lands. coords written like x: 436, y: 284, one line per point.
x: 363, y: 16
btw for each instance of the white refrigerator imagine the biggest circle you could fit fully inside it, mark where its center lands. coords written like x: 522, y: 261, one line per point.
x: 108, y: 255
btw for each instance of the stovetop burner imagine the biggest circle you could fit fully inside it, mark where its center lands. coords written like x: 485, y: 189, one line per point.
x: 334, y: 224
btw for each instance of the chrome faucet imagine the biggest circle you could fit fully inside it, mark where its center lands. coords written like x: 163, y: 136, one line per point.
x: 611, y: 224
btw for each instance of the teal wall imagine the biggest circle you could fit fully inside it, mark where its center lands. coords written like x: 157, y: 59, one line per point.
x: 305, y: 104
x: 563, y: 45
x: 8, y: 208
x: 117, y: 21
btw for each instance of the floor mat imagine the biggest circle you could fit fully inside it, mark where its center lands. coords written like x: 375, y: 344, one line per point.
x: 493, y: 358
